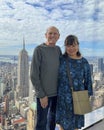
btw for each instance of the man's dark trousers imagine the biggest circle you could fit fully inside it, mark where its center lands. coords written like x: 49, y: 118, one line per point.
x: 46, y: 116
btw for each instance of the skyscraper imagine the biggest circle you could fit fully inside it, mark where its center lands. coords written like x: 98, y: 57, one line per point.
x: 100, y: 65
x: 22, y: 89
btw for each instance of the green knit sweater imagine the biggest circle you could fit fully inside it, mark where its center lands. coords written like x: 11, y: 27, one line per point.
x: 44, y: 70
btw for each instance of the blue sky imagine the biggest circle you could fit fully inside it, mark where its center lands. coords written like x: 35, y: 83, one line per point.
x: 30, y: 18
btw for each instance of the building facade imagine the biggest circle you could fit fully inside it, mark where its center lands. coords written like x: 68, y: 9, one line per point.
x: 22, y: 89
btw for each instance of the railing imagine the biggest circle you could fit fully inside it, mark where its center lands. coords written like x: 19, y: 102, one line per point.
x: 94, y: 117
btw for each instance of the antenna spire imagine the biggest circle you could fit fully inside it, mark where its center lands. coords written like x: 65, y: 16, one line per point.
x: 23, y: 43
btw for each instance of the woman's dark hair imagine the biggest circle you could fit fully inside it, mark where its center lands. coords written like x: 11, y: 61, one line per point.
x: 70, y: 40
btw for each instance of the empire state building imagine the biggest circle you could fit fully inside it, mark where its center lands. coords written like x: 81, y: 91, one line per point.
x: 22, y: 89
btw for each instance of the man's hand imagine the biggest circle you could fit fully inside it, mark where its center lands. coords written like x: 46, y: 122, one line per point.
x: 44, y: 102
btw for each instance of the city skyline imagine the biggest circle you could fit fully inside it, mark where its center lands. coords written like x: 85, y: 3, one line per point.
x: 30, y: 19
x: 27, y: 115
x: 18, y: 110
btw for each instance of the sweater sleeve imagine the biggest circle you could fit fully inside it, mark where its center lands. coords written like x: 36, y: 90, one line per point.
x: 35, y: 73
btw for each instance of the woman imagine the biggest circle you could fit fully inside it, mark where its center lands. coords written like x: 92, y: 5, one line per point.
x: 81, y: 77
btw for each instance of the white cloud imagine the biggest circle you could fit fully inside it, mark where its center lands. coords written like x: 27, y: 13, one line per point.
x: 30, y: 18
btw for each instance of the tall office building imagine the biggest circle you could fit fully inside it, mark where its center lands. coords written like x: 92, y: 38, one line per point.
x: 91, y: 68
x: 6, y: 107
x: 100, y: 65
x: 22, y: 89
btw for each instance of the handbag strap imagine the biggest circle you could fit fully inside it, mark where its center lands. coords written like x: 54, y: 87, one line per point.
x: 69, y: 75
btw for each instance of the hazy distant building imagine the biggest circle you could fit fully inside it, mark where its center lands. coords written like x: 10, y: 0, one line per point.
x: 91, y: 67
x: 100, y: 65
x: 1, y: 89
x: 22, y: 89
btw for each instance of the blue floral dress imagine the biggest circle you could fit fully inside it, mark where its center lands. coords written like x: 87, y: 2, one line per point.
x: 81, y: 76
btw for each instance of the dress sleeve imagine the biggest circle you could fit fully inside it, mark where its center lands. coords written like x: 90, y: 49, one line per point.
x: 88, y: 79
x: 35, y: 73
